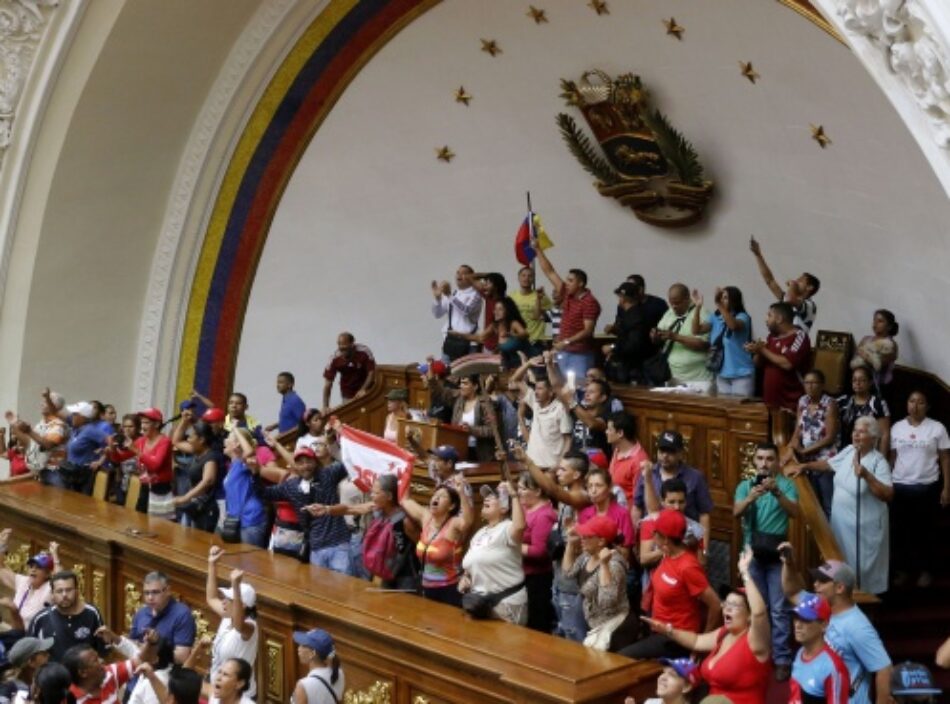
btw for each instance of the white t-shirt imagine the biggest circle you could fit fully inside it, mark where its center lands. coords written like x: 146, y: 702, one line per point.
x: 493, y: 561
x: 468, y: 418
x: 29, y: 601
x: 918, y: 451
x: 143, y: 692
x: 548, y: 428
x: 229, y: 644
x: 317, y: 692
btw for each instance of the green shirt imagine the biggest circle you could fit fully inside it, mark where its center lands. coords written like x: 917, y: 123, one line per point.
x: 686, y: 364
x: 770, y: 517
x: 526, y: 303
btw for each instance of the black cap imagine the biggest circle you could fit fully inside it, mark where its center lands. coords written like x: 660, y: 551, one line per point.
x: 627, y: 290
x: 670, y: 440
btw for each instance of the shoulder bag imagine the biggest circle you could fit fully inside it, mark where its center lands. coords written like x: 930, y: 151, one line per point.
x: 454, y: 347
x: 656, y: 370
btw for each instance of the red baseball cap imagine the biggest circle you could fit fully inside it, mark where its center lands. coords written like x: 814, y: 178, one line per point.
x: 598, y: 527
x: 597, y: 457
x: 152, y: 414
x: 305, y: 452
x: 670, y: 523
x: 213, y: 415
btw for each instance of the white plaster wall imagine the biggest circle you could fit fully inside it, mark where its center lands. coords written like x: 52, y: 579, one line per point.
x: 136, y: 78
x: 370, y: 216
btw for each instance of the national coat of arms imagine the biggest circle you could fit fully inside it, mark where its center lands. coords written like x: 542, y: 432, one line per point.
x: 643, y: 161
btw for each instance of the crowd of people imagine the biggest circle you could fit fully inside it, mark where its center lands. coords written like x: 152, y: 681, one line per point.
x: 587, y: 538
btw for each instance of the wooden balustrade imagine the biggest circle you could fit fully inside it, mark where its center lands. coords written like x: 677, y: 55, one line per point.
x: 394, y: 647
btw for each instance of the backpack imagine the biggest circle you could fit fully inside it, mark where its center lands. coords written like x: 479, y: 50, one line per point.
x: 380, y: 553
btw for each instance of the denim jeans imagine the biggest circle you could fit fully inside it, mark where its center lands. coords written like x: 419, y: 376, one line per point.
x: 356, y: 557
x: 743, y: 386
x: 255, y: 535
x: 768, y: 580
x: 824, y: 485
x: 52, y: 477
x: 335, y: 557
x: 569, y: 608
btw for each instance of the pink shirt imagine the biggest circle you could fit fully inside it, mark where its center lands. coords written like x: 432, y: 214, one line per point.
x: 621, y: 517
x: 538, y: 524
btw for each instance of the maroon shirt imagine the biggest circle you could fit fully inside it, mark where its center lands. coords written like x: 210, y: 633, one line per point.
x: 781, y: 388
x: 352, y: 371
x: 575, y: 310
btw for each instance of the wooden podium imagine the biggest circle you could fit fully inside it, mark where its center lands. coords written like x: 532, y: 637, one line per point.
x: 432, y: 433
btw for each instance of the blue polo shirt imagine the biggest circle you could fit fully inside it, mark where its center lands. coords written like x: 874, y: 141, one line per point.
x: 292, y: 409
x: 83, y: 443
x: 240, y: 498
x: 174, y: 624
x: 698, y: 500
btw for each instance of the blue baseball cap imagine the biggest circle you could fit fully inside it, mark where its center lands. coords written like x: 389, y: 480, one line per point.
x: 186, y: 404
x: 42, y: 560
x: 813, y: 608
x: 685, y: 668
x: 445, y: 452
x: 317, y: 640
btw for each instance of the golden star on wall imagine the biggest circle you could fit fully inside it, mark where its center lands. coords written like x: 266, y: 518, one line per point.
x: 599, y: 6
x: 537, y: 14
x: 673, y: 28
x: 818, y: 134
x: 748, y: 71
x: 444, y: 154
x: 462, y: 97
x: 490, y: 46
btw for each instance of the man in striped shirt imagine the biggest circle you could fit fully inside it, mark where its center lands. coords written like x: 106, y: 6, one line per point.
x: 94, y: 682
x: 819, y: 675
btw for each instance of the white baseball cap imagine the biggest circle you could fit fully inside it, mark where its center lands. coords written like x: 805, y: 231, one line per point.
x: 248, y: 595
x: 82, y: 408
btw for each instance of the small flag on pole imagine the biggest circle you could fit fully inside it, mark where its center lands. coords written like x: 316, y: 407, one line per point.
x: 531, y: 225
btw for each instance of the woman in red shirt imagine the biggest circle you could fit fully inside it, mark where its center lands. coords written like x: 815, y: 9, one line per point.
x: 739, y: 662
x: 154, y: 452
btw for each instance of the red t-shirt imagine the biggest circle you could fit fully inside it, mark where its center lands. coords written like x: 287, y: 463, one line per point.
x: 677, y: 583
x: 625, y: 471
x: 17, y: 462
x: 155, y: 462
x: 782, y: 388
x: 352, y: 370
x: 574, y: 311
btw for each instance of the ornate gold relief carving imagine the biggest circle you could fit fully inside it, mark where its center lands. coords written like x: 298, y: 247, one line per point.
x: 377, y: 693
x: 16, y: 560
x: 654, y: 439
x: 419, y: 699
x: 274, y: 676
x: 833, y: 341
x: 202, y: 626
x: 133, y: 599
x: 80, y: 570
x: 98, y: 589
x: 746, y: 463
x: 715, y: 459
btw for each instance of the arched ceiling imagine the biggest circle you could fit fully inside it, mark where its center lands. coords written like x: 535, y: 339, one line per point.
x: 370, y: 204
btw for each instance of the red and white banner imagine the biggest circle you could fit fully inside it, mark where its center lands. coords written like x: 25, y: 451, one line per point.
x: 367, y: 456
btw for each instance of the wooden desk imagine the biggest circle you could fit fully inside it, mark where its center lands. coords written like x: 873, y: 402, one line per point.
x: 394, y: 647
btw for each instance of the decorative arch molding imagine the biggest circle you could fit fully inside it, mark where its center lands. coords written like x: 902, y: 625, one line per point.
x: 304, y: 88
x: 905, y: 46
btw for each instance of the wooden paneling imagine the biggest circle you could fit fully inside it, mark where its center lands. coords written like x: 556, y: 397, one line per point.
x: 416, y: 647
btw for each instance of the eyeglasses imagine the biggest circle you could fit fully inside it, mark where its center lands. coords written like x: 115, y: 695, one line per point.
x: 153, y: 592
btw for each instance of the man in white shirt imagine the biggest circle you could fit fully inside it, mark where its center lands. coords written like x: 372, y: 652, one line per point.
x: 551, y: 424
x: 462, y: 308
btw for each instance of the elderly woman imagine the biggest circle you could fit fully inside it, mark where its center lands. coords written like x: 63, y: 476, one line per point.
x: 878, y: 351
x: 601, y: 572
x: 859, y: 517
x: 472, y: 411
x: 493, y: 562
x: 738, y: 664
x: 863, y: 401
x: 920, y: 453
x: 816, y: 435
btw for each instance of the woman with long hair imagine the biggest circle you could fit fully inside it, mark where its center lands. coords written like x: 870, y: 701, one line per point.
x: 508, y: 328
x: 198, y: 505
x: 863, y: 401
x: 396, y: 407
x: 231, y: 681
x: 445, y: 524
x: 324, y: 682
x: 878, y: 351
x: 729, y: 328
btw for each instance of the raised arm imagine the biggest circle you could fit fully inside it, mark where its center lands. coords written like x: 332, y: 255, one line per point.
x: 760, y: 634
x: 467, y: 519
x: 238, y: 609
x: 547, y: 483
x: 697, y: 324
x: 792, y: 582
x: 181, y: 428
x: 212, y: 595
x: 414, y: 510
x: 516, y: 529
x: 556, y: 281
x: 764, y: 270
